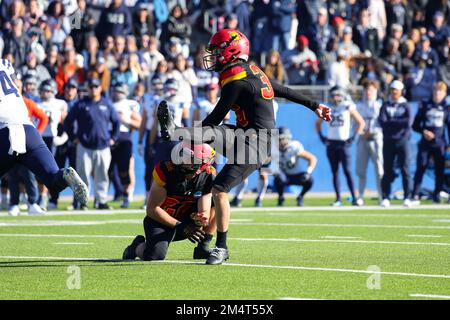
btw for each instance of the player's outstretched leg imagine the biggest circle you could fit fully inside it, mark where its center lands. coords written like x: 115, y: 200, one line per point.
x: 165, y: 120
x: 79, y: 188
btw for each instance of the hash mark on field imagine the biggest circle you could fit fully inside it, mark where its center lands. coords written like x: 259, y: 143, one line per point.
x: 74, y: 243
x: 432, y: 296
x: 439, y: 276
x: 442, y: 220
x: 339, y: 237
x: 423, y: 236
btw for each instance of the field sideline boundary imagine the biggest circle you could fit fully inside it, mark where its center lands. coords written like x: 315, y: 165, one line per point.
x: 227, y: 264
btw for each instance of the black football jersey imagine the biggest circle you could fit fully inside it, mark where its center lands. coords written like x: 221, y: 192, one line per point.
x: 247, y: 91
x: 182, y: 193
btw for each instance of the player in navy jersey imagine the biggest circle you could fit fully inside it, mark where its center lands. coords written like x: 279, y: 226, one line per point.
x: 20, y: 142
x: 431, y: 121
x: 249, y: 93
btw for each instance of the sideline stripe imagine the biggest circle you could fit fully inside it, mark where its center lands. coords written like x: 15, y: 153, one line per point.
x: 406, y: 274
x: 273, y: 210
x: 236, y: 239
x: 432, y: 296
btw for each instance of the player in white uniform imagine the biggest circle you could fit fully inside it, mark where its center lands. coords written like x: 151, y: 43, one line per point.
x: 163, y: 148
x: 339, y: 138
x: 291, y: 172
x: 122, y: 151
x: 205, y: 106
x: 370, y: 144
x: 56, y: 111
x: 148, y: 109
x: 20, y: 142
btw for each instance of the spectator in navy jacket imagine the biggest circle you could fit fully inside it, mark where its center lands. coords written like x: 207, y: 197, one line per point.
x: 366, y: 37
x: 115, y: 20
x: 425, y: 49
x: 439, y: 31
x: 395, y: 119
x: 94, y: 116
x: 282, y: 12
x: 431, y: 121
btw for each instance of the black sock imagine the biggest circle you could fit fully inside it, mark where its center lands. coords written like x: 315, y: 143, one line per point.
x: 221, y: 241
x: 205, y: 242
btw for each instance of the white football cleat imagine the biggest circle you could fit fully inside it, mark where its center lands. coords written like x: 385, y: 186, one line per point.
x: 360, y: 202
x: 385, y: 203
x: 35, y: 209
x: 14, y: 211
x: 79, y: 188
x: 338, y: 203
x: 407, y: 203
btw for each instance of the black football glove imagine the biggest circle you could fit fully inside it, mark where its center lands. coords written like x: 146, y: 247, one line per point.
x: 193, y: 233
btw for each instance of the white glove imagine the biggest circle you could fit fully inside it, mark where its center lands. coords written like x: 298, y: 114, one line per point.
x: 141, y: 149
x: 60, y: 140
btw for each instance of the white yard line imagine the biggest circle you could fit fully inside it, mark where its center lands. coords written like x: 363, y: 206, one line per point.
x: 442, y: 220
x: 422, y: 236
x: 74, y: 243
x: 296, y: 298
x: 381, y: 226
x: 265, y: 209
x: 32, y: 235
x: 339, y: 237
x: 264, y: 266
x: 236, y: 239
x: 344, y: 208
x: 243, y: 222
x: 352, y: 215
x: 59, y: 223
x: 432, y: 296
x: 343, y: 241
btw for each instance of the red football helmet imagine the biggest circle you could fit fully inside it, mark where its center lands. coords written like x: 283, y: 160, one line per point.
x: 193, y: 158
x: 226, y: 46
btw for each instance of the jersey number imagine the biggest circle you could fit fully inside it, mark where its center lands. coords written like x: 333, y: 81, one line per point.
x: 7, y: 85
x: 267, y: 91
x: 176, y: 208
x: 338, y: 121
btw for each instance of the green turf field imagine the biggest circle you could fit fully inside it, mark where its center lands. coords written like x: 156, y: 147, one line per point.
x: 290, y: 253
